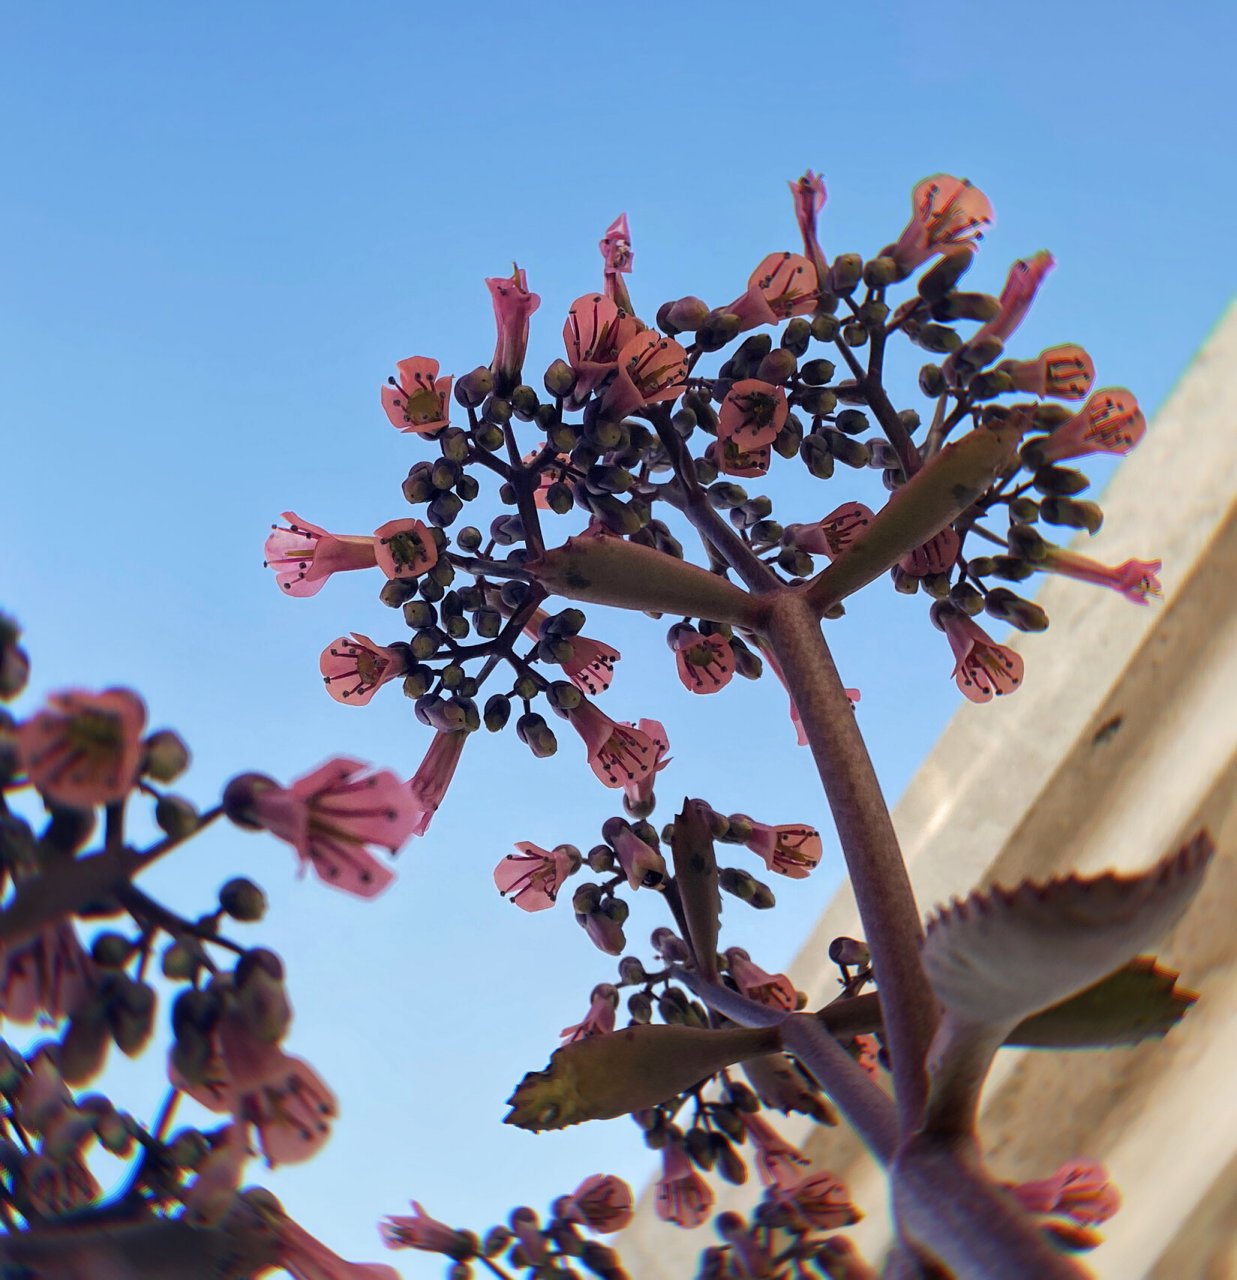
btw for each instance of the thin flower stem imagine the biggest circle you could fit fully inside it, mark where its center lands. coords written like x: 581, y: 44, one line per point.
x: 869, y: 843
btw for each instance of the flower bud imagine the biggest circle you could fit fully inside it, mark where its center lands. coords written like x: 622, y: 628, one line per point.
x: 824, y: 327
x: 239, y: 795
x: 1072, y: 513
x: 242, y: 900
x: 166, y: 756
x: 847, y: 272
x: 718, y: 328
x: 1059, y: 481
x: 777, y: 366
x: 131, y: 1015
x: 683, y: 315
x: 472, y: 388
x: 796, y: 336
x: 83, y: 1048
x: 879, y: 272
x: 936, y: 337
x: 176, y: 816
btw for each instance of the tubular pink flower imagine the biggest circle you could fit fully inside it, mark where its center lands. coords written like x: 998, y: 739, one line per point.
x: 596, y: 330
x: 354, y: 670
x: 603, y: 1203
x: 638, y: 791
x: 404, y: 549
x: 773, y: 989
x: 533, y: 876
x: 730, y: 460
x: 643, y: 866
x: 329, y: 817
x: 423, y: 1232
x: 429, y: 784
x: 792, y: 850
x: 1110, y: 422
x: 214, y: 1189
x: 615, y: 248
x: 934, y: 556
x: 618, y: 754
x: 419, y: 403
x: 682, y: 1196
x: 946, y: 212
x: 1065, y: 372
x: 548, y: 475
x: 84, y: 749
x: 599, y: 1021
x: 823, y: 1201
x: 705, y: 663
x: 1079, y: 1190
x: 752, y: 414
x: 56, y: 1185
x: 513, y: 304
x: 1025, y: 278
x: 783, y: 285
x: 983, y: 667
x: 809, y: 197
x: 591, y: 665
x: 304, y: 556
x: 307, y: 1258
x: 831, y: 535
x: 779, y: 1163
x: 650, y: 368
x: 50, y: 974
x: 1135, y: 579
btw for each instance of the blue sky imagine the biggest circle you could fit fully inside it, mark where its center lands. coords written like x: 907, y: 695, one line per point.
x: 222, y: 227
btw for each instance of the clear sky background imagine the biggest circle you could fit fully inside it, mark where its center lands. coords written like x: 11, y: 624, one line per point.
x: 222, y: 226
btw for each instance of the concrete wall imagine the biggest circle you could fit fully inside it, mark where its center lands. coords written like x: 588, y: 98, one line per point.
x: 1122, y: 741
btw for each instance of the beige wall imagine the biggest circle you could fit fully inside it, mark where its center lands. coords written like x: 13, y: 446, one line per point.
x: 1122, y: 741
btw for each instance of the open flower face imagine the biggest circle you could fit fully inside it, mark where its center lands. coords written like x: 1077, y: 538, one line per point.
x: 418, y: 403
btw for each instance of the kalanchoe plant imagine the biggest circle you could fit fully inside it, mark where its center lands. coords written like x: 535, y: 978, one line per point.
x: 636, y: 438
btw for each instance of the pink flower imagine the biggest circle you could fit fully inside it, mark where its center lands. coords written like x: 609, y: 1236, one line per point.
x: 1025, y: 278
x: 730, y: 460
x: 683, y: 1196
x: 618, y: 754
x: 937, y: 555
x: 58, y: 1184
x: 213, y: 1191
x: 809, y: 197
x: 822, y: 1201
x: 638, y: 791
x: 513, y: 304
x: 594, y: 333
x: 603, y: 1203
x: 1079, y: 1190
x: 549, y: 474
x: 1110, y: 422
x: 869, y: 1056
x: 777, y: 1161
x: 615, y: 248
x: 423, y: 1232
x: 783, y: 285
x: 329, y: 817
x: 773, y: 989
x: 705, y: 663
x: 1135, y: 579
x: 752, y: 414
x: 983, y: 667
x: 591, y: 665
x: 1066, y: 372
x: 307, y: 1258
x: 946, y: 212
x: 84, y: 749
x: 418, y: 404
x: 405, y: 549
x: 832, y: 534
x: 643, y: 866
x: 304, y: 556
x: 354, y: 670
x: 650, y: 368
x: 788, y: 850
x: 429, y: 784
x: 599, y: 1021
x: 49, y: 974
x: 533, y: 876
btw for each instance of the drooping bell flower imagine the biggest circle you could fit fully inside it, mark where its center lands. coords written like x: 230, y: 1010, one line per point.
x: 84, y: 749
x: 730, y: 460
x: 304, y: 556
x: 752, y: 414
x: 420, y: 1231
x: 791, y: 850
x: 1065, y: 372
x: 591, y: 665
x: 330, y: 817
x: 1135, y: 579
x: 595, y: 331
x: 945, y: 212
x: 822, y: 1201
x: 617, y: 753
x: 213, y: 1190
x: 615, y: 248
x: 773, y: 989
x: 1025, y: 278
x: 650, y: 368
x: 355, y: 669
x: 1080, y: 1190
x: 643, y: 866
x: 809, y: 197
x: 429, y: 784
x: 50, y: 974
x: 779, y: 1163
x: 832, y: 534
x: 1110, y: 422
x: 638, y: 797
x: 705, y: 663
x: 405, y: 549
x: 533, y: 876
x: 603, y: 1203
x: 682, y: 1195
x: 983, y: 668
x: 599, y: 1021
x: 937, y: 555
x: 513, y: 304
x: 418, y: 402
x: 783, y: 285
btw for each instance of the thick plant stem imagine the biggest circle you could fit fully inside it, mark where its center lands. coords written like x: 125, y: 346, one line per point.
x: 878, y: 876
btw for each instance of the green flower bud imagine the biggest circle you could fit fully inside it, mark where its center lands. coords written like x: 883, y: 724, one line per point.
x: 111, y: 950
x: 818, y: 372
x: 176, y: 816
x: 817, y: 455
x: 824, y: 327
x: 396, y: 591
x: 936, y: 337
x: 854, y: 335
x: 179, y: 962
x: 472, y: 388
x: 796, y: 336
x: 166, y: 757
x: 777, y: 366
x: 1059, y: 481
x: 242, y: 900
x: 1072, y: 513
x: 941, y: 278
x: 847, y: 271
